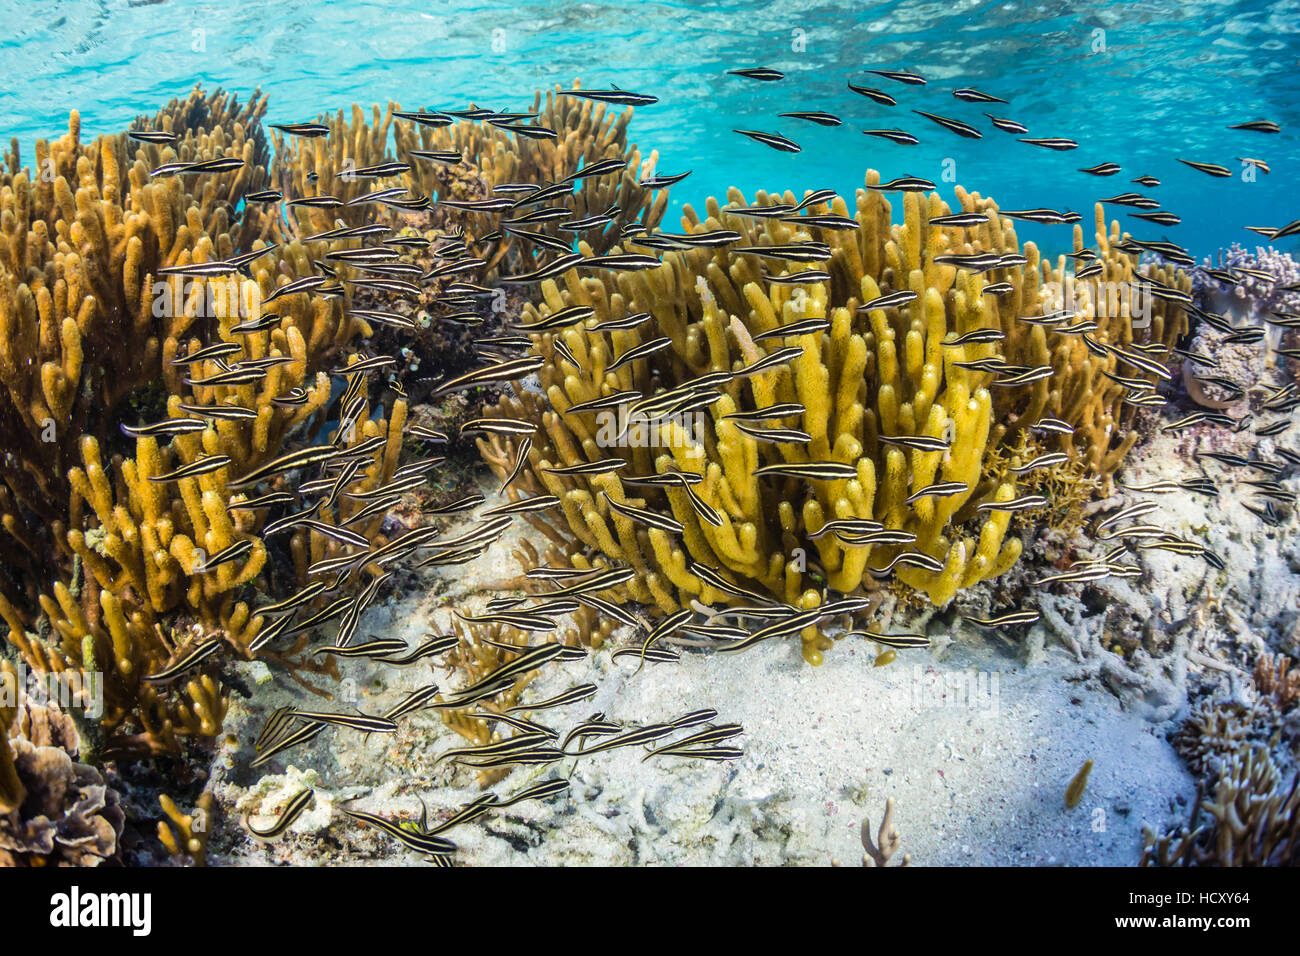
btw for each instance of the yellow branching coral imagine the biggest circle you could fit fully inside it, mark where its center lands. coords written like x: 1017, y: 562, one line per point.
x: 475, y: 659
x: 81, y: 239
x: 78, y: 241
x: 862, y: 378
x: 98, y: 533
x: 1079, y: 391
x: 210, y: 126
x: 189, y: 838
x: 352, y: 144
x: 140, y: 538
x: 585, y: 132
x: 12, y: 791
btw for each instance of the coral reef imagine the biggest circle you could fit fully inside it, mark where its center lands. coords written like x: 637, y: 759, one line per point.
x: 1239, y: 291
x: 106, y: 540
x: 1238, y: 749
x: 445, y: 326
x: 1215, y: 731
x: 1253, y: 819
x: 81, y: 240
x: 98, y: 535
x: 1218, y: 728
x: 63, y: 813
x: 861, y: 381
x: 885, y: 360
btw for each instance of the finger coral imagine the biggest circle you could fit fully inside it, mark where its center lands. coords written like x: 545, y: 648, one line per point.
x: 212, y: 126
x: 81, y: 240
x: 887, y: 841
x: 490, y: 156
x: 585, y: 133
x: 141, y: 538
x: 187, y: 834
x: 872, y: 373
x: 1278, y: 681
x: 109, y: 539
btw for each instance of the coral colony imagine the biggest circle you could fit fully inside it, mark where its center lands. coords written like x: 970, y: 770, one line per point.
x: 238, y: 370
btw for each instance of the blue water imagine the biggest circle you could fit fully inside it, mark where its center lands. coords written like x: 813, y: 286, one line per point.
x: 1134, y: 84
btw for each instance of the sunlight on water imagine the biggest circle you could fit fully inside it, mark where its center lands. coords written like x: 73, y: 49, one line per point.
x: 1138, y: 85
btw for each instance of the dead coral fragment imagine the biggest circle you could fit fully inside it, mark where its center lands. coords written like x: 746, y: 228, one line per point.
x: 887, y: 840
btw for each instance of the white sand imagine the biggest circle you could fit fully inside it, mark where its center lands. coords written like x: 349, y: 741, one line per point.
x: 977, y: 751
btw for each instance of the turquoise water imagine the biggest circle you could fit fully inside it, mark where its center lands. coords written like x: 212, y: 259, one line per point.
x: 1135, y: 84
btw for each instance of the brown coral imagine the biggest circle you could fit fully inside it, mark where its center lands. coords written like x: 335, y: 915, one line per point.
x: 94, y: 535
x: 887, y: 841
x: 1252, y: 818
x: 491, y: 156
x: 68, y: 815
